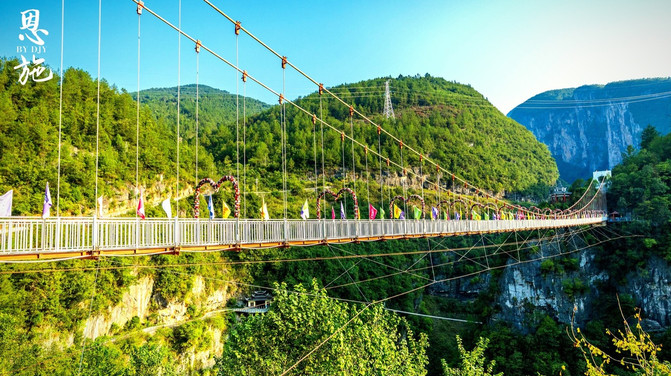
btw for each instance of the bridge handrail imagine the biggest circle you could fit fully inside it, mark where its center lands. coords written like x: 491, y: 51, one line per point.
x: 84, y: 234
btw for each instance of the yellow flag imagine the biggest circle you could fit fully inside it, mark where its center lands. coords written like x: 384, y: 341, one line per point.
x: 264, y: 212
x: 225, y: 210
x: 397, y: 212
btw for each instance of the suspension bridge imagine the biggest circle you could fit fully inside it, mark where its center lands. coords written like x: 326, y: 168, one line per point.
x: 458, y: 210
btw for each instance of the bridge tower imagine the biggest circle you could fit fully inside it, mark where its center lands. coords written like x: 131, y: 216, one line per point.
x: 388, y: 109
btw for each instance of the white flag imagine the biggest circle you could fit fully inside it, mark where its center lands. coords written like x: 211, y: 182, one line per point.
x: 6, y: 204
x: 166, y: 207
x: 100, y: 207
x: 46, y: 206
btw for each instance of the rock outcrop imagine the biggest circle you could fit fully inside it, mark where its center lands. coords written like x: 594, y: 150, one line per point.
x: 588, y: 128
x: 566, y: 289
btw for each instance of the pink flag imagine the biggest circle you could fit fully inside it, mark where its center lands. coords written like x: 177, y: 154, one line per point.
x: 372, y: 212
x: 332, y: 213
x: 140, y: 207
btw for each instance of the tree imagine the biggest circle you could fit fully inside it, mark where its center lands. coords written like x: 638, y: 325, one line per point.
x: 101, y: 360
x: 636, y: 351
x: 359, y: 340
x: 472, y: 362
x: 648, y: 135
x: 150, y: 359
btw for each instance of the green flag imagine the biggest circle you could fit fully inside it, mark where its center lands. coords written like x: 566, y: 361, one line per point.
x: 381, y: 212
x: 416, y: 213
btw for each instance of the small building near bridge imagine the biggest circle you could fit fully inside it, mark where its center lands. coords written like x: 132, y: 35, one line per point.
x: 559, y: 193
x: 258, y: 302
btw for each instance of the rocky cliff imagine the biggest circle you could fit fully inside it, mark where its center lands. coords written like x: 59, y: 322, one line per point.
x: 588, y: 128
x: 567, y: 288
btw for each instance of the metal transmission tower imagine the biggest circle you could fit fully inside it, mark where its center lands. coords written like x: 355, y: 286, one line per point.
x: 388, y: 109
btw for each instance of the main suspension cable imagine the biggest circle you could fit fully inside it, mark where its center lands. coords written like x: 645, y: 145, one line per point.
x: 95, y: 197
x: 137, y: 113
x: 179, y: 65
x: 60, y: 114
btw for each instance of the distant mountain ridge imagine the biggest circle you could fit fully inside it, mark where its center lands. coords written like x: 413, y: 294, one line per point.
x: 215, y: 106
x: 589, y: 127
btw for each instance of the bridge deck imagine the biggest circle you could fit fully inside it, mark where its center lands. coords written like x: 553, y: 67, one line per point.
x: 30, y: 238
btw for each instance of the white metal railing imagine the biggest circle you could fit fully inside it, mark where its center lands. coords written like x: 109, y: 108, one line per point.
x: 77, y: 234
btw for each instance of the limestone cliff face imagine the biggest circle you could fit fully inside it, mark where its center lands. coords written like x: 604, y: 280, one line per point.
x: 526, y: 289
x: 588, y: 128
x: 652, y: 289
x: 142, y: 301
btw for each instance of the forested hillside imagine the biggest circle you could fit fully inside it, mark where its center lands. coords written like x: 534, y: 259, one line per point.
x: 29, y: 119
x: 451, y: 123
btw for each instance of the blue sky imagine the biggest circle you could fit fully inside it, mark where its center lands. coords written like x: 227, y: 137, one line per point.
x: 507, y: 50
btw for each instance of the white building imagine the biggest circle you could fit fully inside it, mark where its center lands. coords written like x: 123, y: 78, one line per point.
x: 600, y: 175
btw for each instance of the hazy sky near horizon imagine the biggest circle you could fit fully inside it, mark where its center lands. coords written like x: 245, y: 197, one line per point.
x: 507, y: 50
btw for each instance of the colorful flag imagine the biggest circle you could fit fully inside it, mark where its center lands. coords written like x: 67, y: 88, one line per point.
x: 397, y: 212
x: 166, y: 208
x: 474, y: 215
x: 225, y: 210
x: 46, y: 206
x: 486, y: 215
x: 457, y: 216
x: 6, y: 204
x: 140, y: 207
x: 100, y: 206
x: 416, y: 212
x: 305, y: 210
x: 402, y: 215
x: 434, y: 213
x: 210, y: 206
x: 264, y: 212
x: 372, y: 212
x: 342, y: 211
x: 446, y: 216
x: 332, y: 213
x: 382, y: 213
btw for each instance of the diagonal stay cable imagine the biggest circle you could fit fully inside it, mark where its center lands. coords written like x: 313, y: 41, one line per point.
x: 436, y: 265
x: 410, y: 291
x: 386, y: 265
x: 343, y: 273
x: 348, y: 274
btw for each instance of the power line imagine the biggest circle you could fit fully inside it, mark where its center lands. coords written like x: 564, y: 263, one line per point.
x: 561, y: 105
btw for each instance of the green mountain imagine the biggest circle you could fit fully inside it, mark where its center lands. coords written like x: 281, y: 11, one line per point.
x: 451, y: 123
x: 215, y: 107
x: 589, y: 127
